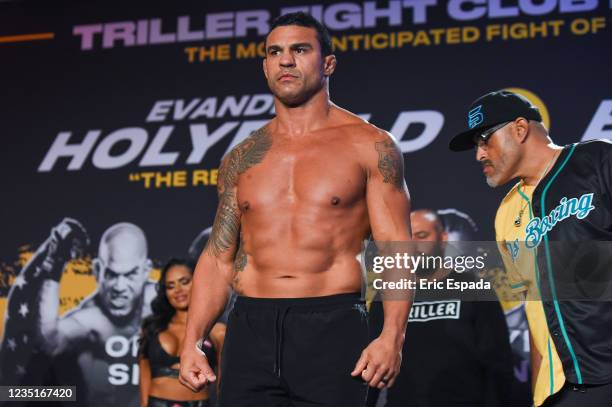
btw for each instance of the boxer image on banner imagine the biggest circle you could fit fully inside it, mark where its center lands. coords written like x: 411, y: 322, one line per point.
x: 94, y: 345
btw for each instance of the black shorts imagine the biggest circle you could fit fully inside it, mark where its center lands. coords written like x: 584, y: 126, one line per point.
x: 294, y: 352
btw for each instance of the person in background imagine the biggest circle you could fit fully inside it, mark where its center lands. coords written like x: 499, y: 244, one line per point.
x: 456, y: 341
x: 553, y: 230
x: 162, y: 340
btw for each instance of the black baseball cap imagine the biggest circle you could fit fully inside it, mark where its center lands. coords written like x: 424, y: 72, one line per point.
x: 490, y: 110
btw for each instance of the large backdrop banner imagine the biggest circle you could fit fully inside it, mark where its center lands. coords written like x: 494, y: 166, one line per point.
x: 114, y: 118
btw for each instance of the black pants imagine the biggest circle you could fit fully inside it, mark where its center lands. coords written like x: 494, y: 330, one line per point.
x: 294, y: 352
x: 157, y: 402
x: 581, y: 396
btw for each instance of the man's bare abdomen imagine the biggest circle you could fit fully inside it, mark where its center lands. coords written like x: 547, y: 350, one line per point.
x: 299, y: 284
x: 297, y: 256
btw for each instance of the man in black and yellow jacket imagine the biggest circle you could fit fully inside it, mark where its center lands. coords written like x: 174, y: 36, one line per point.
x: 552, y: 229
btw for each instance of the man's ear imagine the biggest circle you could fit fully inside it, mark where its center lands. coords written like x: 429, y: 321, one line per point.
x: 521, y: 130
x: 329, y: 64
x: 98, y: 270
x: 265, y: 68
x: 444, y: 236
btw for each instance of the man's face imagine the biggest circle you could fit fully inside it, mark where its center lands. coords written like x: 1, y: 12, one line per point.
x: 499, y: 156
x: 122, y: 269
x: 427, y: 233
x: 122, y: 287
x: 294, y: 66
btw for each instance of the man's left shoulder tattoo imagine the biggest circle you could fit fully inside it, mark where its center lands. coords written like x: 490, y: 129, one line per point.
x: 390, y: 163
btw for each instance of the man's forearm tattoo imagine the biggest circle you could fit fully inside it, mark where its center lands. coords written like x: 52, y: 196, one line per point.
x: 227, y: 220
x: 390, y: 163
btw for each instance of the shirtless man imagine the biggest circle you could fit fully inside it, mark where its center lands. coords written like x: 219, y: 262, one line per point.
x: 92, y: 345
x: 296, y: 200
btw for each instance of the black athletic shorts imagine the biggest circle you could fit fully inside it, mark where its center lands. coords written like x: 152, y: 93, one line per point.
x: 294, y: 352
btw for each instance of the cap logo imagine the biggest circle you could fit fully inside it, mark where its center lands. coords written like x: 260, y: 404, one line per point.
x: 475, y: 117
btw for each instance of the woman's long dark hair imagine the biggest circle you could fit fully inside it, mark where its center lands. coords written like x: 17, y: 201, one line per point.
x: 162, y: 311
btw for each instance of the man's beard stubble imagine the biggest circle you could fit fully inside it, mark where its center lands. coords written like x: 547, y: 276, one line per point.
x: 491, y: 182
x: 506, y: 160
x: 298, y: 97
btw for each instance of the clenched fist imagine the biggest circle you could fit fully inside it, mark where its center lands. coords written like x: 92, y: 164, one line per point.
x: 68, y: 240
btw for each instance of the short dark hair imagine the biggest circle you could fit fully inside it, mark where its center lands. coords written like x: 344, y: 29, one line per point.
x: 306, y: 20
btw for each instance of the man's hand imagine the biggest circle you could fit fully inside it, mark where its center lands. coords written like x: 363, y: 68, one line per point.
x: 68, y: 240
x: 380, y: 362
x: 195, y: 371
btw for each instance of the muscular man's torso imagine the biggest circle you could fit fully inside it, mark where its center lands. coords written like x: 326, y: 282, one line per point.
x: 304, y: 213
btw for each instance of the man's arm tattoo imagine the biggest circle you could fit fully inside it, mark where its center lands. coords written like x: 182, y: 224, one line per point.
x: 227, y: 220
x: 390, y: 163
